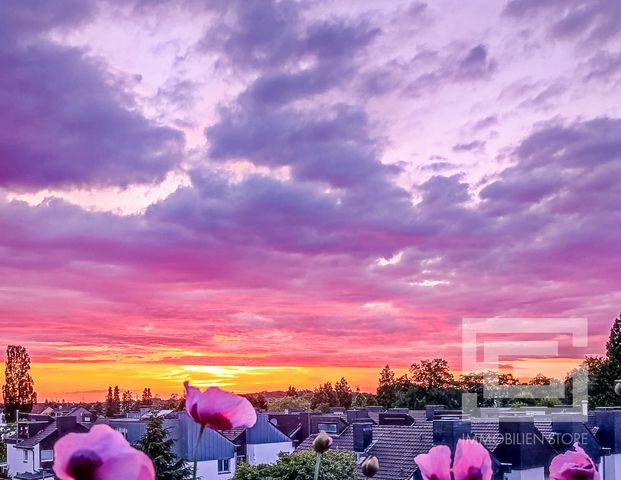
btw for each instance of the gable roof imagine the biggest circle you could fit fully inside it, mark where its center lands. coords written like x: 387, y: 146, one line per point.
x: 396, y: 446
x: 344, y: 441
x: 48, y: 431
x: 263, y: 431
x: 38, y: 437
x: 486, y: 431
x: 544, y: 426
x: 233, y: 434
x: 38, y: 408
x: 287, y: 423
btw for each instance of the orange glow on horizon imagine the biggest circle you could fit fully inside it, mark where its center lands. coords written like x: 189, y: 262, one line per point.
x: 75, y: 381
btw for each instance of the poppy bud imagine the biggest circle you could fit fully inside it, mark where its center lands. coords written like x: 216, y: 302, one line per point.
x: 370, y: 466
x: 322, y: 442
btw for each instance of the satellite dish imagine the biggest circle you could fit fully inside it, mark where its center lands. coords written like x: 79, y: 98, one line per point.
x: 618, y: 387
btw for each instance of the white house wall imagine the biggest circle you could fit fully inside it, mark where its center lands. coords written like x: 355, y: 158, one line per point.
x: 37, y: 457
x: 266, y: 452
x: 208, y: 470
x: 15, y: 462
x: 611, y: 467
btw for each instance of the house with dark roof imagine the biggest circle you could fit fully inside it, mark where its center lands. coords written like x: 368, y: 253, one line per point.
x: 605, y: 423
x: 521, y: 446
x: 261, y: 444
x: 395, y: 446
x: 218, y: 452
x: 519, y: 450
x: 30, y: 450
x: 298, y: 426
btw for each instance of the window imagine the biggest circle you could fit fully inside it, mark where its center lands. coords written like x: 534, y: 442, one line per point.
x: 25, y: 455
x: 327, y: 427
x: 122, y: 431
x: 47, y: 455
x: 223, y: 465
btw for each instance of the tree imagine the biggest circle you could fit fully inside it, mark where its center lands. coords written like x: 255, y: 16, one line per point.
x: 363, y: 399
x: 335, y: 465
x: 507, y: 379
x: 292, y: 392
x: 147, y: 397
x: 110, y: 411
x: 323, y: 397
x: 602, y: 371
x: 18, y: 390
x: 175, y: 403
x: 540, y: 379
x: 284, y: 403
x: 158, y: 445
x: 386, y: 394
x: 611, y: 369
x: 613, y: 347
x: 593, y: 367
x: 258, y: 401
x: 97, y: 408
x: 128, y: 399
x: 430, y: 374
x: 344, y: 395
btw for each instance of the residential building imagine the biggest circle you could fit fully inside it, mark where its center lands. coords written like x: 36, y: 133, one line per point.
x: 218, y: 452
x: 30, y: 451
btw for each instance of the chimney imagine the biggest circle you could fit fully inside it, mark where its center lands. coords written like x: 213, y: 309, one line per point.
x: 354, y: 416
x: 447, y: 431
x: 516, y: 428
x: 395, y: 418
x: 305, y: 424
x: 363, y: 436
x: 448, y: 414
x: 608, y: 422
x: 431, y: 410
x: 65, y: 424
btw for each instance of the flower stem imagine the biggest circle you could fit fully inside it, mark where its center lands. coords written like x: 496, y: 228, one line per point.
x: 317, y: 465
x: 198, y: 441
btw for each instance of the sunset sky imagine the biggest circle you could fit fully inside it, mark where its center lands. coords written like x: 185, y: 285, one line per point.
x: 254, y: 194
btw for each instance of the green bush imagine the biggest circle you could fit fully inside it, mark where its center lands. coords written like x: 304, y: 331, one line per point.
x: 335, y: 465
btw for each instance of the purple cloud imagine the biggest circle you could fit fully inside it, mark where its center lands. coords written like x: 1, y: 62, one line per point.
x: 67, y: 122
x: 475, y: 64
x: 593, y: 20
x: 474, y: 146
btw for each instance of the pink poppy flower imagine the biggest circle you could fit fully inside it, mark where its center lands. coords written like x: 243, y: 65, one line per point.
x: 217, y: 409
x: 472, y: 462
x: 101, y: 454
x: 435, y: 465
x: 573, y: 465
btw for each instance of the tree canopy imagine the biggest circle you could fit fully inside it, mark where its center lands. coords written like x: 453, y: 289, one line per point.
x: 158, y: 445
x: 335, y: 465
x: 18, y: 390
